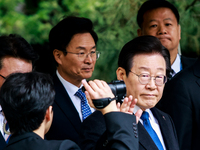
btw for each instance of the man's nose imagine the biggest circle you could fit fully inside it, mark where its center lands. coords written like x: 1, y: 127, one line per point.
x: 88, y: 58
x: 152, y: 83
x: 162, y: 30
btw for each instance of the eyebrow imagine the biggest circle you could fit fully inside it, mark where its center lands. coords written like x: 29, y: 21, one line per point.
x: 157, y: 20
x: 83, y: 48
x: 168, y: 19
x: 147, y: 69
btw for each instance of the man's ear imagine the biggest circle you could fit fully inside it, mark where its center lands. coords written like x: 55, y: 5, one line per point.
x: 139, y: 32
x: 49, y: 114
x: 179, y: 26
x: 57, y: 55
x: 121, y: 73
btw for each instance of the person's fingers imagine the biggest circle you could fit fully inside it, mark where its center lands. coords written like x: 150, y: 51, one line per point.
x: 132, y: 105
x: 138, y: 114
x: 118, y: 106
x: 124, y: 105
x: 89, y: 99
x: 88, y: 87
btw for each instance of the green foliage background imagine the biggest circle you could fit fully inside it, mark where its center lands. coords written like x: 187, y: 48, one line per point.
x: 114, y: 22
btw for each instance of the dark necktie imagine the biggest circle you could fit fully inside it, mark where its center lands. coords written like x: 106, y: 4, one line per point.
x: 152, y: 133
x: 85, y: 108
x: 171, y: 74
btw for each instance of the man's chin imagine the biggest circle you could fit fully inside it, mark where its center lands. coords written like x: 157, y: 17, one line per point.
x: 165, y: 43
x: 87, y: 75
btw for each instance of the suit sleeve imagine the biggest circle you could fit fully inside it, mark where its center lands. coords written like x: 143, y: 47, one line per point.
x: 93, y: 130
x: 122, y: 131
x: 68, y: 145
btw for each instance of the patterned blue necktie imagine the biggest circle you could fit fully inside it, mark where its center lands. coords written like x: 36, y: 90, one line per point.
x: 85, y: 108
x: 152, y: 133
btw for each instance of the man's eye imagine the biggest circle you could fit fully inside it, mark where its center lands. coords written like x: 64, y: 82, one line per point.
x: 81, y: 54
x: 159, y: 77
x: 145, y: 75
x: 153, y: 26
x: 168, y: 24
x: 93, y: 52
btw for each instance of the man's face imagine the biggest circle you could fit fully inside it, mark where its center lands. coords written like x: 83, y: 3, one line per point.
x: 162, y: 23
x: 11, y: 65
x: 149, y: 94
x: 70, y: 67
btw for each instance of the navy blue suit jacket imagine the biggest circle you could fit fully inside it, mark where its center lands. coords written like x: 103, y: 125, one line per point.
x: 120, y: 136
x: 181, y: 100
x: 187, y: 61
x: 2, y: 142
x: 32, y: 141
x: 66, y: 122
x: 94, y: 134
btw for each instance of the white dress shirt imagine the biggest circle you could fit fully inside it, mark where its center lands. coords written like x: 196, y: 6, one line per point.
x: 177, y: 66
x: 71, y: 90
x: 1, y: 121
x: 154, y: 123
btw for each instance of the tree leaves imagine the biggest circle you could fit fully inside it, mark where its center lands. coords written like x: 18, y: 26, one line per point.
x: 114, y: 22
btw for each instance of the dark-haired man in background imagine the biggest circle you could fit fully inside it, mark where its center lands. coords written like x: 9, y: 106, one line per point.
x: 73, y: 44
x: 16, y: 55
x: 160, y: 18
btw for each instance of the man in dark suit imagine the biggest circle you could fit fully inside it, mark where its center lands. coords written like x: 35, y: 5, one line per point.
x: 73, y: 44
x: 143, y: 65
x: 16, y: 55
x: 160, y: 18
x: 26, y: 100
x: 181, y: 101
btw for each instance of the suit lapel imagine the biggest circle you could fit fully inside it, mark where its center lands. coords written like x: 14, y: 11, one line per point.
x: 2, y: 142
x: 165, y: 130
x: 144, y: 138
x: 64, y: 102
x: 196, y: 71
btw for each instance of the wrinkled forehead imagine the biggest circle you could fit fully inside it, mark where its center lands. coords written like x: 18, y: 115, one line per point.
x: 149, y: 62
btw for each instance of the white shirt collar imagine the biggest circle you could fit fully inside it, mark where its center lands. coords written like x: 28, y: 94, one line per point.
x: 176, y: 66
x: 151, y: 117
x: 70, y: 88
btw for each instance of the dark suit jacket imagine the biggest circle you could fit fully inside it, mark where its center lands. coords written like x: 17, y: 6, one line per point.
x: 181, y: 100
x: 187, y: 62
x: 32, y: 141
x: 120, y: 135
x: 93, y: 136
x: 2, y: 142
x: 66, y: 122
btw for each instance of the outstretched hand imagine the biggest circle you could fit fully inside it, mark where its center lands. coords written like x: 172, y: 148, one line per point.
x: 128, y: 106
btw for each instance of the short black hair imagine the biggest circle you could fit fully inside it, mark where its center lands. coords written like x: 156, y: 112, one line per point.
x: 24, y: 98
x: 153, y: 4
x: 61, y: 34
x: 16, y: 46
x: 142, y: 45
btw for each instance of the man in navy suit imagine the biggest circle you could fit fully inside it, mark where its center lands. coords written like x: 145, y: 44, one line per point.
x: 160, y: 18
x: 16, y: 55
x: 181, y: 101
x: 27, y: 99
x: 73, y: 44
x: 143, y: 65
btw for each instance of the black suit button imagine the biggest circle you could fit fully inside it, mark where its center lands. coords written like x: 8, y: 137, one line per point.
x: 105, y: 143
x: 135, y: 128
